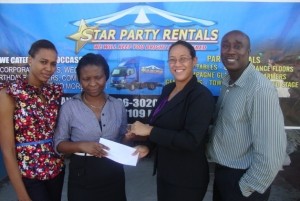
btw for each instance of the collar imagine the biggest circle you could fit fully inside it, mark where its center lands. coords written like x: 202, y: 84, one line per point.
x: 243, y: 79
x: 78, y: 97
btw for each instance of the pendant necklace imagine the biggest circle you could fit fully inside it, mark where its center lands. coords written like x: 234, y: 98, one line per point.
x: 93, y: 106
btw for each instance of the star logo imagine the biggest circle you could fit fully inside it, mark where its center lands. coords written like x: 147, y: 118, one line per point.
x: 83, y: 35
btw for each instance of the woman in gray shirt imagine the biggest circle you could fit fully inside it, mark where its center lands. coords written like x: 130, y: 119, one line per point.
x: 83, y: 120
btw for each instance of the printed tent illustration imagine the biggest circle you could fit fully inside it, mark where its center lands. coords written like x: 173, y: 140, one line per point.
x: 144, y: 15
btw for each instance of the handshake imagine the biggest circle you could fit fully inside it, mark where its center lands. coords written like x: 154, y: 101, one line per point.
x: 138, y: 132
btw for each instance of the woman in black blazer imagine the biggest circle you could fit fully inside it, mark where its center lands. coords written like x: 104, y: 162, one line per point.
x: 178, y: 129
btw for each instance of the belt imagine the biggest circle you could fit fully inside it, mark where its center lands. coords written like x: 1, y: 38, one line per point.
x: 82, y: 154
x: 218, y: 166
x: 222, y: 166
x: 22, y: 144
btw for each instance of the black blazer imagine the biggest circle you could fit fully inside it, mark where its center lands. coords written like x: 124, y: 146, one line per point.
x: 180, y: 135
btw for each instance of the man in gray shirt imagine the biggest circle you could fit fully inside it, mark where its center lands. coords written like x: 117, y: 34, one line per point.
x: 248, y: 140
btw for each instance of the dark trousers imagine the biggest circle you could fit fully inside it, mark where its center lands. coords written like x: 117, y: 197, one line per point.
x: 170, y: 192
x: 45, y: 190
x: 226, y: 186
x: 95, y: 179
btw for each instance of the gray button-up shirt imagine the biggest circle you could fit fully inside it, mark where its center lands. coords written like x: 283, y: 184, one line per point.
x: 249, y: 130
x: 77, y: 122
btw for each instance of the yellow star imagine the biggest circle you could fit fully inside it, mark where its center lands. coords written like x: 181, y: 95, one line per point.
x: 83, y: 35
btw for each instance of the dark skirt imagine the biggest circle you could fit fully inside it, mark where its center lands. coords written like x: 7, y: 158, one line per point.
x: 95, y: 179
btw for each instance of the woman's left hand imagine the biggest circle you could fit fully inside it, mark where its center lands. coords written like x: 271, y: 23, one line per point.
x: 138, y: 128
x: 141, y: 150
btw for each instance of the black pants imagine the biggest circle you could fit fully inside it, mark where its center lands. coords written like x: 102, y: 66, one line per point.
x: 171, y: 192
x: 226, y: 186
x: 46, y: 190
x: 95, y: 179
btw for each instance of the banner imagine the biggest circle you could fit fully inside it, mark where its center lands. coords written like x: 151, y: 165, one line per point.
x: 135, y: 37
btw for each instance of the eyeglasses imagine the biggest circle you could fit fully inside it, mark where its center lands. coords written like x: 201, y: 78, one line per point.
x: 180, y: 60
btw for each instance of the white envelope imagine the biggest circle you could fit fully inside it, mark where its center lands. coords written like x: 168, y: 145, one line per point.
x: 120, y: 153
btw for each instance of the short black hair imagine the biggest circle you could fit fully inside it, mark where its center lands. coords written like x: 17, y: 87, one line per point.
x: 41, y: 44
x: 93, y: 59
x: 189, y: 46
x: 241, y: 33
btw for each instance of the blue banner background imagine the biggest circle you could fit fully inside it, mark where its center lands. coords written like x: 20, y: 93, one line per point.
x: 274, y: 30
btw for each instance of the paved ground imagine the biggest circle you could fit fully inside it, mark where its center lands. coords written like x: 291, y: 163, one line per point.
x: 140, y: 185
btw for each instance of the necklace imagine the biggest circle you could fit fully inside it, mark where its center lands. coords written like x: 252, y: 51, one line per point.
x: 93, y: 106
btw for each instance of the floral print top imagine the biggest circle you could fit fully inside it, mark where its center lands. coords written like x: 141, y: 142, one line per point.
x: 34, y: 122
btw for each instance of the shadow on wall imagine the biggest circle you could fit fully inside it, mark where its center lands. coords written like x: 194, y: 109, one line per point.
x: 3, y: 173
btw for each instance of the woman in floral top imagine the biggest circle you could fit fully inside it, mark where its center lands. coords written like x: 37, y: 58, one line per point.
x: 28, y: 113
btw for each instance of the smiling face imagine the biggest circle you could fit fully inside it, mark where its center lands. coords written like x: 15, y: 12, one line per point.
x: 92, y: 80
x: 181, y: 63
x: 42, y: 66
x: 235, y: 51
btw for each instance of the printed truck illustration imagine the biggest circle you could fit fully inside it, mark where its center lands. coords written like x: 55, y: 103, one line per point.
x: 138, y: 73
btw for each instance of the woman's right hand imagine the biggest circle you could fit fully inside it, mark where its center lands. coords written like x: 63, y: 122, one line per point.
x: 138, y: 128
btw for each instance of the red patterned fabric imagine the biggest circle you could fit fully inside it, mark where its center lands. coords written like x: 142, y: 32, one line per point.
x: 34, y: 122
